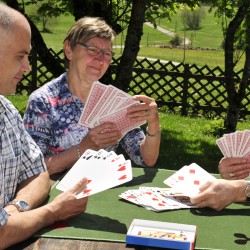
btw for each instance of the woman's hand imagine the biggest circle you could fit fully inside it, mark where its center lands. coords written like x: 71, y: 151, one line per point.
x: 102, y: 136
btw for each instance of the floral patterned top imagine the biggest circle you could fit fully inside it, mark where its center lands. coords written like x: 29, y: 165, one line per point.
x: 52, y: 117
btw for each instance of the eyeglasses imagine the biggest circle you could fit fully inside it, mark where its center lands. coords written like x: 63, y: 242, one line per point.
x: 94, y: 51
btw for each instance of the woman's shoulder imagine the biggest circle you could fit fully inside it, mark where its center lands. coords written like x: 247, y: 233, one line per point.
x: 52, y: 88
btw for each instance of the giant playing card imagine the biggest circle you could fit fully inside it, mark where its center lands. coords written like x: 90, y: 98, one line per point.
x: 103, y: 170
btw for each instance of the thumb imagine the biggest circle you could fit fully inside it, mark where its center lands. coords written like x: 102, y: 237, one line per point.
x: 79, y: 186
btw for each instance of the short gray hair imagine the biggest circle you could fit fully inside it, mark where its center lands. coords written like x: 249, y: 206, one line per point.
x: 86, y: 28
x: 6, y: 20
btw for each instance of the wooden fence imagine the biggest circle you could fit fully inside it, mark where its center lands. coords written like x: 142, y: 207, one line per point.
x: 187, y: 89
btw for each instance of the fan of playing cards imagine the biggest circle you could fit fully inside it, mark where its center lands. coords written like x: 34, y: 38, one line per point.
x: 106, y: 103
x: 184, y: 184
x: 235, y: 144
x: 103, y: 170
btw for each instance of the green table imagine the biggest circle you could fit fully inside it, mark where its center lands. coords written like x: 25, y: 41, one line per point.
x: 108, y: 218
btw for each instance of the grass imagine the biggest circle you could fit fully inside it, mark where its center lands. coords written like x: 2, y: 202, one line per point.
x: 184, y: 140
x: 209, y: 36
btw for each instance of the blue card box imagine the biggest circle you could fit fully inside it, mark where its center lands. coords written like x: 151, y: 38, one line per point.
x: 161, y: 234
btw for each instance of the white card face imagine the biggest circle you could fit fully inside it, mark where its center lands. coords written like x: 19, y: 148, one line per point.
x: 157, y: 199
x: 104, y: 179
x: 103, y: 170
x: 189, y: 178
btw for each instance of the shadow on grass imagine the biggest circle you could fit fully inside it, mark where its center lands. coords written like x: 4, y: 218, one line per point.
x: 176, y: 153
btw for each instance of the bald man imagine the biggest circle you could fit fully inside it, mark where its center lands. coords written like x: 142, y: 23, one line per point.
x: 24, y: 180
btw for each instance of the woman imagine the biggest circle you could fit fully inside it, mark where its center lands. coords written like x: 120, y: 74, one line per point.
x: 54, y: 110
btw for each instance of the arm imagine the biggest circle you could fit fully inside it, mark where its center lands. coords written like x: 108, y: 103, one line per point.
x: 21, y: 226
x: 38, y: 121
x: 234, y: 168
x: 33, y: 190
x: 97, y: 138
x: 148, y: 111
x: 220, y: 193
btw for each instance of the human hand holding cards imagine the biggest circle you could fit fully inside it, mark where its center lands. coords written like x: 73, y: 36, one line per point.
x: 235, y: 144
x: 106, y: 103
x: 183, y: 184
x: 103, y: 170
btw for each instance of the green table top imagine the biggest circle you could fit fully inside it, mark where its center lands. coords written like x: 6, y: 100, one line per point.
x: 108, y: 218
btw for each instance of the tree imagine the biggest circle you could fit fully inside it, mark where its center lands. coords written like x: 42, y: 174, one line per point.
x: 237, y: 42
x: 236, y: 93
x: 38, y: 43
x: 192, y: 18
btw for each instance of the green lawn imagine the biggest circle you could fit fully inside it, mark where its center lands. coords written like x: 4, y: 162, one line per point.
x: 209, y: 36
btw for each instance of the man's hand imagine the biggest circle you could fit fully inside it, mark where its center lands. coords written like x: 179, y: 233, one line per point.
x: 218, y: 194
x: 66, y: 205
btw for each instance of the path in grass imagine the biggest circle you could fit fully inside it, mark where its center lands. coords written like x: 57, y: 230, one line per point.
x: 167, y: 32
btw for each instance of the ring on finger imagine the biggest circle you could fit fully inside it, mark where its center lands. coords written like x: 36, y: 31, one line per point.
x: 231, y: 174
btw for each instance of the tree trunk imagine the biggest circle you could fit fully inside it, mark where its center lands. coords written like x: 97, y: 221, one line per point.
x: 234, y: 98
x: 132, y: 44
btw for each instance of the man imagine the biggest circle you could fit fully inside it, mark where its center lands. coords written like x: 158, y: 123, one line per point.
x: 24, y: 181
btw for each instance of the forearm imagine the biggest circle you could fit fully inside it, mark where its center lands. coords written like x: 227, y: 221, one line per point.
x: 62, y: 161
x: 150, y: 146
x: 34, y: 190
x: 21, y: 226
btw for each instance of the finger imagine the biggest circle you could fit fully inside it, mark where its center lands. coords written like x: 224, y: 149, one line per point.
x: 228, y: 161
x: 79, y: 186
x: 142, y: 98
x: 205, y: 186
x: 105, y: 127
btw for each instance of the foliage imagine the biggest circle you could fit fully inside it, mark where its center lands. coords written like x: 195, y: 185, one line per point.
x: 176, y: 40
x: 215, y: 128
x: 47, y: 10
x: 192, y: 18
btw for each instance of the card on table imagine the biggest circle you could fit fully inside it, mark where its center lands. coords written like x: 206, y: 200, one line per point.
x: 183, y: 184
x: 104, y: 170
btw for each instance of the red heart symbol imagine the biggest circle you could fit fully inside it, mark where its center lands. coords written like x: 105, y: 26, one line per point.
x: 86, y: 191
x: 123, y: 177
x: 122, y: 168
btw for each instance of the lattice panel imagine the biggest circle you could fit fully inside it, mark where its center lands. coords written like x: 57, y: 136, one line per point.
x: 190, y: 89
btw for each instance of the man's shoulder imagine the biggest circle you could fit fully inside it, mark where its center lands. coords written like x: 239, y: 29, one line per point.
x: 5, y: 104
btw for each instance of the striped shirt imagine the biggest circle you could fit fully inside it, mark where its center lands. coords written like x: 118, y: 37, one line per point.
x: 20, y: 157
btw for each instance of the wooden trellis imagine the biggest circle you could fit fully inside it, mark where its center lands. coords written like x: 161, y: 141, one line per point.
x: 184, y: 88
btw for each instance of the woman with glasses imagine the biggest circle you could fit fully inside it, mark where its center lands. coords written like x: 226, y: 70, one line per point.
x: 54, y: 110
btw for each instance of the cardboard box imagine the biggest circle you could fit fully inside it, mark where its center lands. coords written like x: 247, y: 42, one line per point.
x: 161, y: 234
